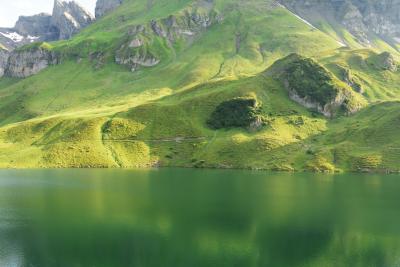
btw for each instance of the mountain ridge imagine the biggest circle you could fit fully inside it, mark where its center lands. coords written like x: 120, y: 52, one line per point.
x: 364, y: 20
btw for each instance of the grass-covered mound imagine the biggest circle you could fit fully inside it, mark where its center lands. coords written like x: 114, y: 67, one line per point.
x: 313, y: 86
x: 237, y: 112
x: 383, y: 61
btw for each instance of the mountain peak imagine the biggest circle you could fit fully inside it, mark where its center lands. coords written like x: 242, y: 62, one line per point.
x: 69, y: 17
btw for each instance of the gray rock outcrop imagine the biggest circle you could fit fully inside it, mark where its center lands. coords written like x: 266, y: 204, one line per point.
x: 24, y: 63
x: 105, y: 6
x: 4, y: 54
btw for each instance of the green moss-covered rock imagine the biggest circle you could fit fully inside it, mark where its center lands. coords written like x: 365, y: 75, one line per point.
x: 311, y: 80
x: 237, y: 112
x: 314, y: 87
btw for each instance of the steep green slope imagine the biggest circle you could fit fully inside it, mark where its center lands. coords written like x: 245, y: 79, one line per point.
x: 89, y: 111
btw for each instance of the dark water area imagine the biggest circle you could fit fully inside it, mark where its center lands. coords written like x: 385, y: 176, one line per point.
x: 197, y: 218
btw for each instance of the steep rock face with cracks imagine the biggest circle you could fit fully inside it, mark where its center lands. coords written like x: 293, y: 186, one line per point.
x: 69, y: 18
x: 27, y: 62
x: 4, y: 55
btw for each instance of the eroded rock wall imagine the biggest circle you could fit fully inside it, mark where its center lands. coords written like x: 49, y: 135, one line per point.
x: 25, y: 63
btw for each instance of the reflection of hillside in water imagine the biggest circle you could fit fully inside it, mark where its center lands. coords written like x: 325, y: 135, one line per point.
x: 175, y: 217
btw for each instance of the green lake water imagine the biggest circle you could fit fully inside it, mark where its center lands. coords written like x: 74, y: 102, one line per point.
x: 197, y: 218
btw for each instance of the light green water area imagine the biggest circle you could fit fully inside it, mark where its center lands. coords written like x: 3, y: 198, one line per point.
x: 197, y: 218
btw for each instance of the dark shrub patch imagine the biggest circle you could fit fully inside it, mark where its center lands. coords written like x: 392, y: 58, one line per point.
x: 238, y: 112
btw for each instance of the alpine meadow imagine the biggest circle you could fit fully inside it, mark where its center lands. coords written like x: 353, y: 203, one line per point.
x: 256, y: 84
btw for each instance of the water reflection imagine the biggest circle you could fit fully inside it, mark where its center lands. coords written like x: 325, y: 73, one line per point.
x: 175, y: 217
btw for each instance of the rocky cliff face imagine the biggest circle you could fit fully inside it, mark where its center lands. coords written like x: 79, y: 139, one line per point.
x: 105, y: 6
x: 69, y: 18
x: 37, y: 26
x: 3, y: 61
x: 24, y: 63
x: 363, y: 18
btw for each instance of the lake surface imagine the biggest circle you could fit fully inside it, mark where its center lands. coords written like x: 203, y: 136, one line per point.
x: 197, y: 218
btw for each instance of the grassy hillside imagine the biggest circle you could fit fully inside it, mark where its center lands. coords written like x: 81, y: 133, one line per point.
x: 90, y: 112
